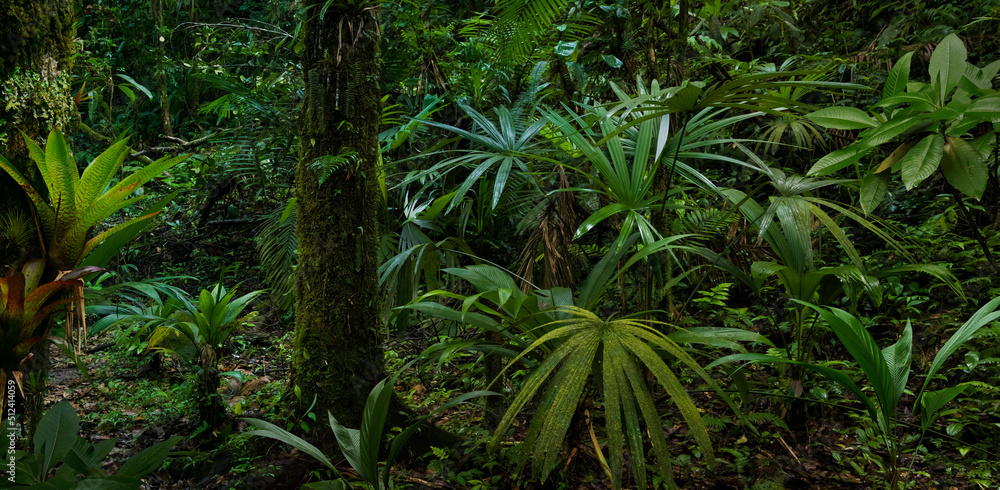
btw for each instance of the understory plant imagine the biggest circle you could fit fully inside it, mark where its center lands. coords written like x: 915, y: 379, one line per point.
x: 888, y: 372
x: 361, y: 447
x: 193, y: 331
x: 565, y: 340
x: 27, y: 304
x: 617, y: 354
x: 63, y: 459
x: 948, y: 124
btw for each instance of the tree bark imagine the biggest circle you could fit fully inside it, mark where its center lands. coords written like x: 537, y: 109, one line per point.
x: 338, y: 358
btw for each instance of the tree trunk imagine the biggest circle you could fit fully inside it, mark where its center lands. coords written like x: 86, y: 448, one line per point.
x: 337, y: 354
x: 210, y: 406
x: 35, y: 67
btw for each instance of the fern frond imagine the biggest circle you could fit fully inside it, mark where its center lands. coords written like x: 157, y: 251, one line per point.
x: 276, y: 247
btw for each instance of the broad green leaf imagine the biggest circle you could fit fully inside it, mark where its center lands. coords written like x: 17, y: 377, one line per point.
x: 565, y: 48
x: 372, y: 424
x: 916, y: 100
x: 85, y: 456
x: 267, y: 429
x: 837, y: 160
x: 862, y: 347
x: 137, y: 85
x: 62, y: 175
x: 475, y: 319
x: 888, y: 131
x: 97, y: 175
x: 56, y: 435
x: 149, y: 460
x: 922, y: 160
x: 895, y: 156
x: 899, y: 75
x: 897, y: 358
x: 985, y: 108
x: 873, y: 189
x: 964, y: 167
x: 933, y: 401
x: 947, y: 64
x: 842, y: 118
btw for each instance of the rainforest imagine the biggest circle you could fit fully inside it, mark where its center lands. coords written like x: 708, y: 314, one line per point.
x: 511, y: 244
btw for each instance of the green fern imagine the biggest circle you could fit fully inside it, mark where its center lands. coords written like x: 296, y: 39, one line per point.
x: 326, y: 165
x: 626, y: 349
x: 520, y: 26
x: 276, y: 247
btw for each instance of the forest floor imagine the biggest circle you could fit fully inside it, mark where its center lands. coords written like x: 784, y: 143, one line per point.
x: 123, y: 397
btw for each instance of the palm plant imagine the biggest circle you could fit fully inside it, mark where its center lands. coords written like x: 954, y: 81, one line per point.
x: 627, y: 185
x: 559, y: 339
x: 79, y: 202
x: 627, y: 348
x: 499, y: 147
x: 630, y: 186
x: 410, y: 258
x: 203, y: 328
x: 192, y: 331
x: 787, y: 224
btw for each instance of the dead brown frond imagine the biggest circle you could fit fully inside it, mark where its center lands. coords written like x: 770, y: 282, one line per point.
x: 552, y: 232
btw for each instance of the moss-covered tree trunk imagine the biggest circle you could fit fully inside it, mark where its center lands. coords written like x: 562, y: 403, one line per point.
x: 36, y: 42
x: 337, y: 357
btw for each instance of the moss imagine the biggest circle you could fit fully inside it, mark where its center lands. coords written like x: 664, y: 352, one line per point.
x: 38, y: 97
x: 35, y: 67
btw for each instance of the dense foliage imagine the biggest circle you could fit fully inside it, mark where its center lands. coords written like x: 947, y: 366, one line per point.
x: 604, y: 244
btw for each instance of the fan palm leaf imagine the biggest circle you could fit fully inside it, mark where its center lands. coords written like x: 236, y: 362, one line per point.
x: 501, y: 148
x: 626, y: 347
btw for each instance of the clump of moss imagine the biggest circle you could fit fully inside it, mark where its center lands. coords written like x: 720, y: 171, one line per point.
x: 37, y: 95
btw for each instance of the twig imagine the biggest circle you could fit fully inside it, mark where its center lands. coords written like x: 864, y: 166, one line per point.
x: 181, y: 144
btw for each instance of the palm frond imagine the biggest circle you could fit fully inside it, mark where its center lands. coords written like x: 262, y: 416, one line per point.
x: 626, y: 347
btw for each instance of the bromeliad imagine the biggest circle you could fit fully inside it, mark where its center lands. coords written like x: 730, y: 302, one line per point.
x: 78, y: 202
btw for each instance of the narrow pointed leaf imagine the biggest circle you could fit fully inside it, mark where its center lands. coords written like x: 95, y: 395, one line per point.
x: 898, y: 77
